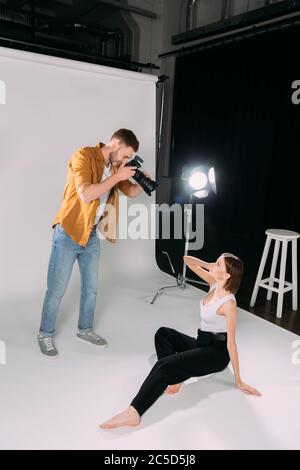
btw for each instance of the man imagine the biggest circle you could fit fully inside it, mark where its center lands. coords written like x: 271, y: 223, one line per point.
x: 89, y: 210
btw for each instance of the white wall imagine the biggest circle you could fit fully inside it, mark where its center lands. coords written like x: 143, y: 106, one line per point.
x: 53, y: 106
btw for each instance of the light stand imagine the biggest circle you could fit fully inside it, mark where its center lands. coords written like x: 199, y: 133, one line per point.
x: 181, y: 278
x: 161, y: 79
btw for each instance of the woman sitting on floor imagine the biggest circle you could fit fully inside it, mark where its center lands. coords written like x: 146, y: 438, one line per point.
x: 180, y: 356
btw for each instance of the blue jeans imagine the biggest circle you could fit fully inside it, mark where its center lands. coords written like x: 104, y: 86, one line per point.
x: 63, y: 255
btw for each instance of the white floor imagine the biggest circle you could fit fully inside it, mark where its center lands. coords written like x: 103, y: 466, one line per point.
x: 58, y: 404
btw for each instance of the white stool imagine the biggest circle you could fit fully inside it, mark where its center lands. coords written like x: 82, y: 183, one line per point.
x: 284, y: 237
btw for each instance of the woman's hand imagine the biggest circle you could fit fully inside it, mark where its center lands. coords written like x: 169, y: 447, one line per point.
x: 245, y: 388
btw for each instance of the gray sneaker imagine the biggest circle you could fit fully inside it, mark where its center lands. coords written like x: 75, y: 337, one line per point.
x: 93, y: 338
x: 47, y: 346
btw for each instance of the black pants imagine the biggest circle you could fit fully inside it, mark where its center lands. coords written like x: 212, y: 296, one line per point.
x: 179, y: 358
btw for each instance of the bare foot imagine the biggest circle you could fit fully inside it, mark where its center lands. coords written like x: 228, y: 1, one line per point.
x: 173, y: 389
x: 128, y: 417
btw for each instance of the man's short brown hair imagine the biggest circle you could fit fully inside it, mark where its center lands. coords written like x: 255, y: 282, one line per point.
x: 127, y: 137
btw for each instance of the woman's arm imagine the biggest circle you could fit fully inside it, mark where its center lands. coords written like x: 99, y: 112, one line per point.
x: 197, y: 266
x: 229, y: 309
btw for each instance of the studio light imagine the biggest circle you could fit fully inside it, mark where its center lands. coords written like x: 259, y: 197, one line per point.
x: 212, y: 179
x: 200, y: 181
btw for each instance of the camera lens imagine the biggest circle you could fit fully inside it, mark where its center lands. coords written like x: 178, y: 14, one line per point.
x: 147, y: 184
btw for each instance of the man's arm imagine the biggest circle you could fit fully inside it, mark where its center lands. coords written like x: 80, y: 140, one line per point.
x: 131, y: 189
x: 81, y: 167
x: 126, y: 187
x: 96, y: 190
x: 88, y: 191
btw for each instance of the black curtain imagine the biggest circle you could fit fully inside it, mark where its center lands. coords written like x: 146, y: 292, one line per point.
x: 233, y: 107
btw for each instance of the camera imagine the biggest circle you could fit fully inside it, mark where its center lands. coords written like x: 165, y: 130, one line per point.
x: 147, y: 184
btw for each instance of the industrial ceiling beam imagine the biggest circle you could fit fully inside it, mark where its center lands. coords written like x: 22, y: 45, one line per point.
x: 18, y: 3
x: 274, y: 12
x: 130, y: 8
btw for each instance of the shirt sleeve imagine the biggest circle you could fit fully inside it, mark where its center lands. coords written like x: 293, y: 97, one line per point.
x: 125, y: 186
x: 82, y: 170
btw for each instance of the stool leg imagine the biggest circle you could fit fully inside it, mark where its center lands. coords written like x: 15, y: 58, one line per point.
x: 273, y: 268
x: 295, y: 280
x: 260, y: 271
x: 281, y: 279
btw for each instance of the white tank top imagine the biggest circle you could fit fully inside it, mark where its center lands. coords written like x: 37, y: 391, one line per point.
x: 210, y: 320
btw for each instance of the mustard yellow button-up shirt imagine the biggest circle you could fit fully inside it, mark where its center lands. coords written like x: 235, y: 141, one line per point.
x: 77, y: 218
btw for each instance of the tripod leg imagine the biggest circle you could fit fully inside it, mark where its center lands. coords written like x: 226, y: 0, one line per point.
x: 160, y: 291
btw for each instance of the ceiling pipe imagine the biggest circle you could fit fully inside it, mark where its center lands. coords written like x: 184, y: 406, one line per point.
x: 191, y: 14
x: 227, y: 9
x: 106, y: 36
x: 129, y: 8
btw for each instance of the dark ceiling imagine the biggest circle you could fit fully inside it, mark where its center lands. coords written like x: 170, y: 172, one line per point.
x: 101, y: 31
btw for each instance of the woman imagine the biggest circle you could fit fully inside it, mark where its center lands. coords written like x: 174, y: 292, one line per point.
x: 180, y: 356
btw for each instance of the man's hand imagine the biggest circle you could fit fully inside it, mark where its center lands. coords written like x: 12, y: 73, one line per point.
x: 125, y: 172
x: 131, y: 189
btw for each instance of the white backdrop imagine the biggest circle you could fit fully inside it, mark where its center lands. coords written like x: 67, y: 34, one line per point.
x: 54, y: 106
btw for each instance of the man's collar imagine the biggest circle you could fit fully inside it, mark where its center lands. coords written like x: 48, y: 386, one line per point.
x: 100, y: 155
x: 99, y: 152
